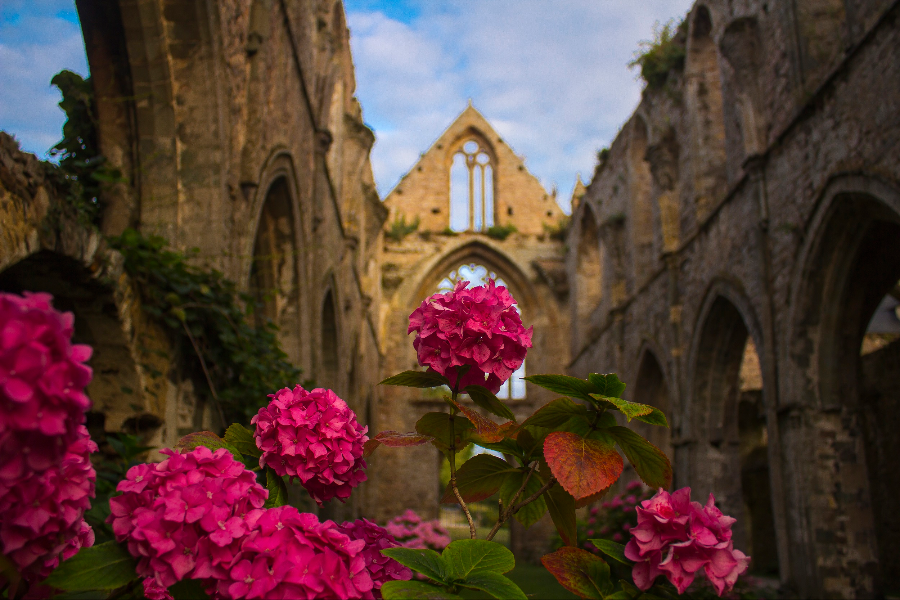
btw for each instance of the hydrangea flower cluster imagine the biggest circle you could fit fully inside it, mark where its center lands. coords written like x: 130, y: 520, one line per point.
x: 676, y: 538
x: 289, y: 554
x: 381, y: 568
x: 478, y: 328
x: 46, y: 477
x: 412, y: 532
x: 314, y: 437
x: 167, y: 508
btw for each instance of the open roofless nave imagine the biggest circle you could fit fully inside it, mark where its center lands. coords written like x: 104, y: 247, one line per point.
x: 735, y: 256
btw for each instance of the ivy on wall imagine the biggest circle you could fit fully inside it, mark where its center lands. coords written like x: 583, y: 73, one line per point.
x: 237, y: 364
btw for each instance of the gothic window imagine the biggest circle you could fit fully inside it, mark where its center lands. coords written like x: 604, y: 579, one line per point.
x: 471, y: 189
x: 478, y: 275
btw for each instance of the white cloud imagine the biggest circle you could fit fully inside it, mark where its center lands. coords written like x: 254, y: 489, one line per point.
x: 552, y: 77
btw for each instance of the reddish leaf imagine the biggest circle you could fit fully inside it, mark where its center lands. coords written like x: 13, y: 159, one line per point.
x: 394, y: 439
x: 485, y: 429
x: 579, y: 571
x: 583, y: 467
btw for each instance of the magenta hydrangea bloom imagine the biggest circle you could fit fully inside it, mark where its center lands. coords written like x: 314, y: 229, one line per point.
x: 677, y: 538
x: 166, y: 509
x: 381, y: 568
x: 289, y: 554
x: 42, y: 381
x: 42, y: 512
x: 478, y: 328
x: 412, y: 532
x: 314, y: 437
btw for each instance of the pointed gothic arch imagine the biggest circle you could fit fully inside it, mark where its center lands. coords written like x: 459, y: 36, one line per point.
x: 641, y: 222
x: 587, y: 287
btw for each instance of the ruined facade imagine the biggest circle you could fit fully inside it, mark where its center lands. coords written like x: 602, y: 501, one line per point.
x: 727, y: 259
x: 236, y: 127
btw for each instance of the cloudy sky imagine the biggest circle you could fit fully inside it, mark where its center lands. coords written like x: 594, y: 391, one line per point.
x: 550, y: 75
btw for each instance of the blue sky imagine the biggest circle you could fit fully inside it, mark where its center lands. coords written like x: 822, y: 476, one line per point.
x: 550, y: 75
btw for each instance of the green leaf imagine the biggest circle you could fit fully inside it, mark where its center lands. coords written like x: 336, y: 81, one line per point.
x: 583, y: 467
x: 427, y: 562
x: 561, y: 505
x: 243, y: 439
x: 466, y: 557
x: 649, y: 462
x: 629, y: 409
x: 607, y: 385
x: 103, y: 567
x: 503, y: 447
x: 188, y: 589
x: 656, y: 417
x: 278, y: 494
x: 612, y: 549
x: 580, y: 572
x: 496, y: 585
x: 437, y: 425
x: 488, y: 401
x: 478, y: 478
x: 555, y: 413
x: 531, y: 513
x: 416, y: 379
x: 415, y: 590
x: 208, y: 439
x: 564, y: 384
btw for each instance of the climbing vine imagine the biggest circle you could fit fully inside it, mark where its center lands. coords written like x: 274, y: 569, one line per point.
x: 237, y: 363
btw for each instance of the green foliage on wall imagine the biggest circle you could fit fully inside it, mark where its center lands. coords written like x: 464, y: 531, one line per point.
x: 500, y: 232
x: 211, y: 332
x: 400, y: 228
x: 666, y: 52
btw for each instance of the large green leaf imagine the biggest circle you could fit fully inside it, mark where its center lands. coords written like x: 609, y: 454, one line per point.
x: 655, y: 417
x: 103, y: 567
x: 580, y: 572
x: 208, y: 439
x: 649, y: 462
x: 583, y: 467
x: 612, y: 549
x: 425, y: 561
x: 485, y: 399
x: 555, y: 413
x: 564, y: 384
x: 466, y: 557
x: 496, y: 585
x: 531, y: 513
x: 243, y: 439
x: 503, y: 446
x: 561, y: 505
x: 278, y: 495
x: 607, y: 385
x: 437, y: 425
x: 478, y: 478
x: 416, y: 379
x: 415, y: 590
x: 629, y: 409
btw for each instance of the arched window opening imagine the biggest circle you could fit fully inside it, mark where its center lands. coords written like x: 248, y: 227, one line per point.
x: 705, y: 110
x: 641, y: 220
x: 742, y: 49
x: 588, y: 277
x: 273, y: 273
x: 329, y: 343
x: 471, y: 188
x: 820, y: 27
x: 650, y: 388
x: 477, y: 275
x: 729, y: 413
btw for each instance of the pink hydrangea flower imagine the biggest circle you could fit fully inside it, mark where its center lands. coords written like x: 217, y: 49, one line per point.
x: 42, y: 512
x: 166, y: 509
x: 154, y: 591
x: 478, y: 328
x: 314, y: 437
x: 288, y: 554
x: 676, y: 538
x: 380, y: 567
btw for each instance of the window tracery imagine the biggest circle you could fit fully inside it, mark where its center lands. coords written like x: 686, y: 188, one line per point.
x: 471, y: 188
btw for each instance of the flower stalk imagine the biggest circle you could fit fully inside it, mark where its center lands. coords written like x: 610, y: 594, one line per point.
x: 452, y: 458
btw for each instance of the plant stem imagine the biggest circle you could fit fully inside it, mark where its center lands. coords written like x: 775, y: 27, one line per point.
x: 452, y: 459
x: 513, y: 508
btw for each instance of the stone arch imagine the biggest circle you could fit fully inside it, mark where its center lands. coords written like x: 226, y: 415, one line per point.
x: 274, y: 270
x: 850, y: 262
x: 741, y: 47
x: 117, y: 389
x: 587, y: 290
x: 472, y: 182
x: 705, y: 113
x: 640, y: 205
x: 726, y: 422
x: 258, y: 31
x: 651, y: 386
x: 328, y: 375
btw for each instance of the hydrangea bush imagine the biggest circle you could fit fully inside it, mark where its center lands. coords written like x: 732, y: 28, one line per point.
x: 212, y: 518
